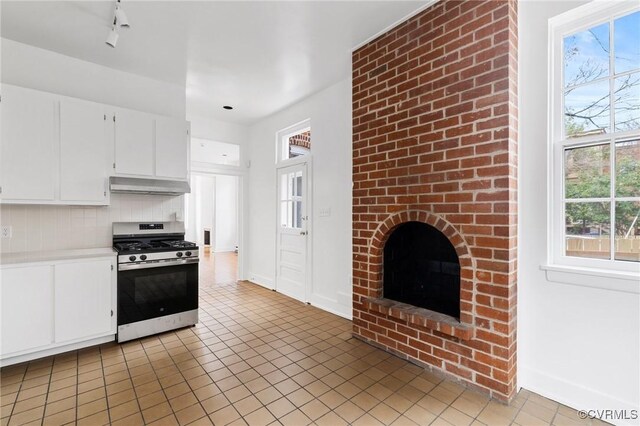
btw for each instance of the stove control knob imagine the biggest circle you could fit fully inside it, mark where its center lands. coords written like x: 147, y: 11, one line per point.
x: 132, y: 258
x: 188, y: 253
x: 179, y: 254
x: 143, y: 257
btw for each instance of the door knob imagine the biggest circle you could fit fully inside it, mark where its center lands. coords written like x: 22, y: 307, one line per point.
x: 303, y: 232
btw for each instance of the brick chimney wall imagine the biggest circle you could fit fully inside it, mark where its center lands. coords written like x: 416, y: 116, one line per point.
x: 301, y: 139
x: 435, y: 140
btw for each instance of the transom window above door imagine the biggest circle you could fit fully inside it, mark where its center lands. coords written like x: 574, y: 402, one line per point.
x: 294, y: 141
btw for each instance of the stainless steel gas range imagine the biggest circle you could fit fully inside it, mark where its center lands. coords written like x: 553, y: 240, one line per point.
x: 157, y: 278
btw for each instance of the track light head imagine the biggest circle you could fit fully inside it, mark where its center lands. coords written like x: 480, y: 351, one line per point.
x: 112, y: 37
x: 121, y: 17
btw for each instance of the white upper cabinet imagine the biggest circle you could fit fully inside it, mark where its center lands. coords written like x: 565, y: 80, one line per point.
x: 60, y: 150
x: 28, y: 145
x: 83, y: 300
x: 172, y: 148
x: 134, y: 143
x: 83, y: 151
x: 26, y: 298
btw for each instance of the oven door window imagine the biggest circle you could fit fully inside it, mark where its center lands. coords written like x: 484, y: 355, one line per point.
x: 150, y: 293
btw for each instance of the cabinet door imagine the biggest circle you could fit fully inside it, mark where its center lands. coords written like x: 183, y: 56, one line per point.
x: 134, y: 143
x: 83, y: 301
x: 28, y: 141
x: 83, y: 151
x: 26, y: 298
x: 172, y: 148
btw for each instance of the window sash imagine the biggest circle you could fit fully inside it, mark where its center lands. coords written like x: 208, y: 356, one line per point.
x: 578, y: 20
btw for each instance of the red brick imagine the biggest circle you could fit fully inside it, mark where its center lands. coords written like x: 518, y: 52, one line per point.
x: 433, y: 107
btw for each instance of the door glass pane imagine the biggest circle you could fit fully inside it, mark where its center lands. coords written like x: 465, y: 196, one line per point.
x: 626, y: 36
x: 299, y: 184
x: 283, y: 188
x: 627, y: 102
x: 586, y: 55
x: 586, y: 109
x: 283, y: 214
x: 628, y: 168
x: 298, y: 209
x: 587, y: 172
x: 290, y: 184
x: 627, y: 244
x: 588, y: 230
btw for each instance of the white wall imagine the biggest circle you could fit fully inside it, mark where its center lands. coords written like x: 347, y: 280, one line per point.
x: 28, y: 66
x: 576, y: 345
x: 330, y: 114
x: 61, y: 227
x: 226, y: 216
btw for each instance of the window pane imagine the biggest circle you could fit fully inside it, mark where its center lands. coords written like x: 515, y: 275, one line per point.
x: 628, y: 231
x: 628, y: 169
x: 283, y: 187
x: 299, y: 144
x: 283, y: 214
x: 627, y: 102
x: 586, y: 55
x: 298, y: 214
x: 586, y: 109
x: 587, y: 172
x: 299, y: 184
x: 626, y: 39
x: 588, y: 230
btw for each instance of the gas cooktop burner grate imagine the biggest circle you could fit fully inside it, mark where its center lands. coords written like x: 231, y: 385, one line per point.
x: 179, y: 244
x: 132, y: 246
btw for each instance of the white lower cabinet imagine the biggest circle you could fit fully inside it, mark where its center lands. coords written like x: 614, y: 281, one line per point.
x: 27, y: 308
x: 83, y: 300
x: 52, y: 307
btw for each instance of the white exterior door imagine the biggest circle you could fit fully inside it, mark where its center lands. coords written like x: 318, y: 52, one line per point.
x: 292, y: 231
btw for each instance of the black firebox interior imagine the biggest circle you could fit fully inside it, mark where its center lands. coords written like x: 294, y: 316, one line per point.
x: 421, y: 268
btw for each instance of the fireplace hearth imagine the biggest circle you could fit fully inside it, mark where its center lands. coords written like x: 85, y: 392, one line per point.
x: 421, y: 268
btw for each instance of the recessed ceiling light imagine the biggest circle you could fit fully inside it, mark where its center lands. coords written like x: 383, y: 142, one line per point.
x: 227, y: 107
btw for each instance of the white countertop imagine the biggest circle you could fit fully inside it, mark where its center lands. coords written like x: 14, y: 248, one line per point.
x: 54, y: 255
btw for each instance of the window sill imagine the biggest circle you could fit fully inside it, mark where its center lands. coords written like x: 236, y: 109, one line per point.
x: 626, y: 282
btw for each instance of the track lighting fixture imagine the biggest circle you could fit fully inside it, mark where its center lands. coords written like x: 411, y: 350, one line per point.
x: 119, y: 20
x: 121, y: 17
x: 112, y: 37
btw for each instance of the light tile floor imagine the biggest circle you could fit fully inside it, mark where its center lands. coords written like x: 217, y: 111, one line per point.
x: 256, y: 358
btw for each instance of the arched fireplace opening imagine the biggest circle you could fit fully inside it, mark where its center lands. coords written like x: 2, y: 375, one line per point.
x: 421, y: 268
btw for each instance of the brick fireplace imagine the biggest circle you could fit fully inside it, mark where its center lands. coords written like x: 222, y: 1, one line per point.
x: 435, y: 142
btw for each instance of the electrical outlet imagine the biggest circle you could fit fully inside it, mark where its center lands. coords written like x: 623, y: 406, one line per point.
x: 6, y: 231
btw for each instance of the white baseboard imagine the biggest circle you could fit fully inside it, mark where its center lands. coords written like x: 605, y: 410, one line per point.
x: 224, y: 249
x: 332, y: 306
x: 572, y: 394
x: 261, y: 280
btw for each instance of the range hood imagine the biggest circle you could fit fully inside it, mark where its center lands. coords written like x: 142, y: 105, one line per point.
x: 126, y: 185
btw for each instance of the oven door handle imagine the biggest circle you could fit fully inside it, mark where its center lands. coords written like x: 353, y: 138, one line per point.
x: 133, y: 266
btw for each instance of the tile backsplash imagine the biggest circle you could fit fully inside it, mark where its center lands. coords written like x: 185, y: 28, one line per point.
x: 43, y: 227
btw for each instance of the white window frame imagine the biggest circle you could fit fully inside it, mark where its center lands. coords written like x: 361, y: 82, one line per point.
x: 574, y: 21
x: 282, y: 141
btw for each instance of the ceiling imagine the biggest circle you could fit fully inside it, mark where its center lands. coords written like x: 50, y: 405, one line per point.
x: 258, y: 56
